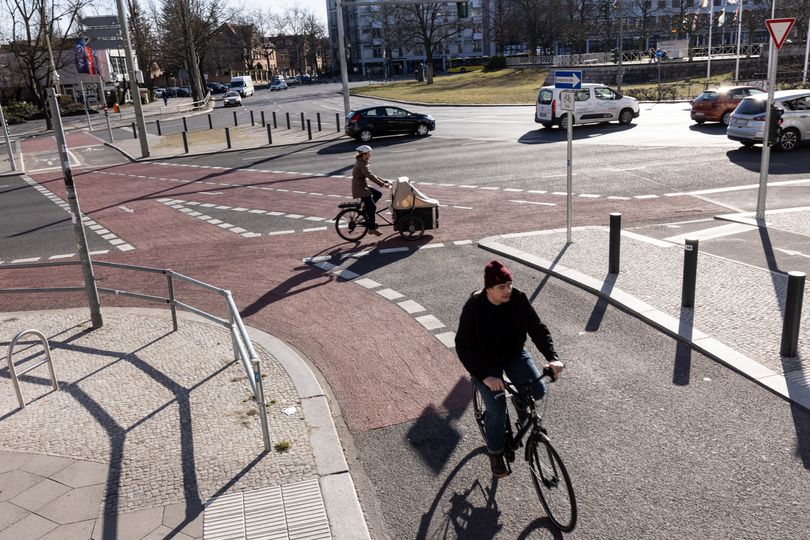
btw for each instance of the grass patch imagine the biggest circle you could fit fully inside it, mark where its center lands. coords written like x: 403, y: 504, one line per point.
x: 496, y: 88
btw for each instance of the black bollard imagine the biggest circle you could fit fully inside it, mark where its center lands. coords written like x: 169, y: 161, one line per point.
x: 252, y: 122
x: 615, y: 242
x: 288, y: 120
x: 235, y: 121
x: 228, y: 136
x: 318, y: 116
x: 690, y: 256
x: 157, y: 123
x: 185, y: 141
x: 269, y: 135
x: 275, y: 124
x: 185, y: 125
x: 337, y: 122
x: 134, y: 131
x: 793, y: 314
x: 309, y: 130
x: 210, y: 122
x: 302, y: 122
x: 263, y: 122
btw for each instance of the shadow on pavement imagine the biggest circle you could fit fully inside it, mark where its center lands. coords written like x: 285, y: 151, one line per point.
x: 346, y: 146
x: 588, y: 131
x: 796, y: 162
x: 599, y: 309
x: 711, y: 128
x: 305, y: 279
x: 682, y: 368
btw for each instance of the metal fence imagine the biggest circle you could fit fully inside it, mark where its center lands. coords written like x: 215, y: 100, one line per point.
x: 629, y: 56
x: 242, y: 347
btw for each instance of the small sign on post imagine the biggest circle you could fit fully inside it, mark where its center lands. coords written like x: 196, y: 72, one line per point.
x: 567, y: 100
x: 570, y: 80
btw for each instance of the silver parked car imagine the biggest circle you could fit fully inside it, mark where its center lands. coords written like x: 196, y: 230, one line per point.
x: 748, y: 119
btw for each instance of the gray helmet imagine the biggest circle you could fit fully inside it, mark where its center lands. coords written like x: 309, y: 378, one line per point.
x: 363, y: 149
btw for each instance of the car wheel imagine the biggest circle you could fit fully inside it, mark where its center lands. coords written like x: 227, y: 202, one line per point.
x: 748, y: 145
x: 700, y: 122
x: 625, y: 117
x: 366, y: 135
x: 564, y: 121
x: 546, y: 125
x: 726, y: 118
x: 422, y: 130
x: 788, y: 140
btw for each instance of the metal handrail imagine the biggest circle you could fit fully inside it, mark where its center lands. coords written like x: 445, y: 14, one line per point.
x: 242, y: 346
x: 13, y: 371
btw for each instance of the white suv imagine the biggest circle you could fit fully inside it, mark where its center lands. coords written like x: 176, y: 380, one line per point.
x: 594, y: 103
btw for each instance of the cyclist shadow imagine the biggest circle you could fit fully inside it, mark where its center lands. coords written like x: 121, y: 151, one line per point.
x: 471, y: 513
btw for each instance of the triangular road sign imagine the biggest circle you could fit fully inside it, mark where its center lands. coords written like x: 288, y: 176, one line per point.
x: 779, y: 30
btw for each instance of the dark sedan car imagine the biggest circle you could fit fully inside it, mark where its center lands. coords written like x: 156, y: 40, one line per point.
x: 217, y: 88
x: 365, y: 124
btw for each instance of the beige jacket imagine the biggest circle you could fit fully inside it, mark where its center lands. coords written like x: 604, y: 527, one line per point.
x: 360, y: 173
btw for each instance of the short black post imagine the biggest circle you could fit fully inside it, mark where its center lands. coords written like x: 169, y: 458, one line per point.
x: 337, y: 121
x: 185, y: 141
x: 318, y: 116
x: 288, y: 120
x: 252, y: 122
x: 157, y: 123
x: 275, y: 124
x: 228, y: 136
x: 303, y: 127
x: 235, y: 120
x: 793, y: 314
x: 615, y: 242
x: 210, y: 122
x: 185, y: 124
x: 269, y: 135
x: 690, y: 256
x: 134, y: 131
x: 263, y: 122
x: 309, y: 129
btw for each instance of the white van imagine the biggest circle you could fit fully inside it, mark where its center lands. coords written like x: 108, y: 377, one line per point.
x: 242, y: 84
x: 593, y: 103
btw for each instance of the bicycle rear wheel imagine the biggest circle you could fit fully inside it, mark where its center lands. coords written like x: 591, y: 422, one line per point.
x: 478, y: 410
x: 552, y: 483
x: 350, y: 224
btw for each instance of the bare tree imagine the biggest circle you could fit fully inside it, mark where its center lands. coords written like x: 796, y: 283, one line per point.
x: 386, y: 23
x: 143, y: 38
x: 32, y: 24
x: 300, y: 28
x: 428, y: 26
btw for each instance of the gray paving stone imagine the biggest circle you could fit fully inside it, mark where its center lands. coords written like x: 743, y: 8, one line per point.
x: 82, y: 473
x: 12, y: 460
x: 74, y: 531
x: 11, y: 513
x: 39, y: 495
x: 46, y: 465
x: 30, y: 527
x: 174, y: 516
x: 76, y: 505
x: 129, y: 526
x: 12, y: 483
x: 163, y: 532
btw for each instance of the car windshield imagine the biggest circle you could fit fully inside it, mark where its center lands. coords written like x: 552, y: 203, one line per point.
x: 708, y: 96
x: 237, y: 84
x: 751, y: 106
x: 232, y: 94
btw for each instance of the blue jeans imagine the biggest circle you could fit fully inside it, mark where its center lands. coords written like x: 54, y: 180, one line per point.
x: 522, y: 371
x: 370, y: 207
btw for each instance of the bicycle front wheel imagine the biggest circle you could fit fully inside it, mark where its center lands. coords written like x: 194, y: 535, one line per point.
x: 478, y: 410
x: 350, y: 224
x: 552, y: 483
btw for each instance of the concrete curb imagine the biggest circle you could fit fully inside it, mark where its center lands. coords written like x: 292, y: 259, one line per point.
x: 775, y: 382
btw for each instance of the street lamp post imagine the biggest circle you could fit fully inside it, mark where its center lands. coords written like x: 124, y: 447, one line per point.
x: 620, y: 73
x: 133, y: 81
x: 344, y: 74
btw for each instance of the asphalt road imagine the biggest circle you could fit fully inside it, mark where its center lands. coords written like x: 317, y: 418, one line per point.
x: 650, y: 457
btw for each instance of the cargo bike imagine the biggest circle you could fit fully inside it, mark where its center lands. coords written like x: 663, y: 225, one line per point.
x: 412, y: 212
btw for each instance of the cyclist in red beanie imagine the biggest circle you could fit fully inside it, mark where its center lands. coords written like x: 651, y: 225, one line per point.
x: 490, y: 341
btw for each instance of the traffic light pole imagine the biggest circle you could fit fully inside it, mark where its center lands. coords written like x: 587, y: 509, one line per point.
x: 620, y: 72
x: 766, y: 142
x: 134, y: 90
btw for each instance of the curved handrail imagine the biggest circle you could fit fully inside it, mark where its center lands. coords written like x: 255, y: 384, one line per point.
x: 12, y: 370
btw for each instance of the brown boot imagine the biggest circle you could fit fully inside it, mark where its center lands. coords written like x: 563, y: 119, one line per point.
x: 498, y: 464
x: 375, y: 232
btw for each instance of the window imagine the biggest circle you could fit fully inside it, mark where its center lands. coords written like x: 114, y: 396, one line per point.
x: 394, y: 111
x: 604, y: 93
x: 662, y: 4
x: 582, y: 95
x: 544, y: 97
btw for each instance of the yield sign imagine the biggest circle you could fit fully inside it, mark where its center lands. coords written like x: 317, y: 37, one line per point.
x: 779, y: 30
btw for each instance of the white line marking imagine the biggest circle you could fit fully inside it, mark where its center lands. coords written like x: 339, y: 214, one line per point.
x: 28, y: 260
x: 645, y: 196
x: 534, y: 202
x: 65, y: 256
x: 462, y: 242
x: 394, y: 250
x: 390, y: 294
x: 367, y: 283
x: 410, y: 306
x: 447, y: 338
x: 313, y: 229
x: 274, y: 233
x: 430, y: 322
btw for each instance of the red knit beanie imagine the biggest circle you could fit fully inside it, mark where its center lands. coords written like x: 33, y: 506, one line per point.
x: 496, y: 273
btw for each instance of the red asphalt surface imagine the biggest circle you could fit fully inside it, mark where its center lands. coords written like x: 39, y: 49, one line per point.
x: 73, y: 140
x: 383, y: 367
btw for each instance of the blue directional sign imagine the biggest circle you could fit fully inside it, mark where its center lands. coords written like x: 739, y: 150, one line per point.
x: 568, y: 79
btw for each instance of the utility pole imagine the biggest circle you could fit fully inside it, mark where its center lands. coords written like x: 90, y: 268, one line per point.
x: 344, y: 73
x: 76, y: 217
x: 620, y: 72
x: 134, y: 90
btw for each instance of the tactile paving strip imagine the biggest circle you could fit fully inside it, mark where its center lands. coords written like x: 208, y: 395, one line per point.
x: 289, y: 512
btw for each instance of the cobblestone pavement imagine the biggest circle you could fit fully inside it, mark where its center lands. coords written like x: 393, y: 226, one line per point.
x: 736, y: 304
x: 146, y: 420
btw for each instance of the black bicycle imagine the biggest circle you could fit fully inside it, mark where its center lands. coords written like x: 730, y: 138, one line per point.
x: 550, y: 476
x: 350, y: 223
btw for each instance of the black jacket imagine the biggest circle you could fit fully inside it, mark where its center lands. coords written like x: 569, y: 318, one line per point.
x: 489, y: 336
